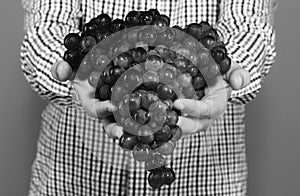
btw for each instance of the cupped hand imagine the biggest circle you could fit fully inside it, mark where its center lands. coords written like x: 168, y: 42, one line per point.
x: 101, y: 110
x: 200, y: 114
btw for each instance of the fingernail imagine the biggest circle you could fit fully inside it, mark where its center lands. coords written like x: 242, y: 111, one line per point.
x: 179, y: 105
x: 119, y: 133
x: 111, y: 108
x: 239, y: 81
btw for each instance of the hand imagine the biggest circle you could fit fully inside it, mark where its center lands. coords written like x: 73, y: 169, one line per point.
x: 92, y: 106
x: 200, y: 114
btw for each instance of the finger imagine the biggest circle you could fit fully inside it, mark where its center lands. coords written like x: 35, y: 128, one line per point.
x: 104, y: 109
x: 211, y: 106
x: 93, y: 107
x: 237, y: 77
x: 61, y: 71
x: 195, y: 108
x: 190, y: 125
x: 112, y: 129
x: 98, y: 109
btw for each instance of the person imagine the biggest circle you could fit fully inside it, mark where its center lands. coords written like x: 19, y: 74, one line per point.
x: 76, y: 157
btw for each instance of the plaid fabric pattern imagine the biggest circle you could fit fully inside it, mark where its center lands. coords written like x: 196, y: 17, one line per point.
x: 75, y: 157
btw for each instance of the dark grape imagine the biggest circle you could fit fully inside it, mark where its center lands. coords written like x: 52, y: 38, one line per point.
x: 141, y: 117
x: 200, y: 94
x: 73, y: 58
x: 194, y: 30
x: 205, y: 27
x: 208, y: 41
x: 155, y: 180
x: 72, y: 41
x: 165, y: 92
x: 135, y: 102
x: 193, y: 71
x: 123, y: 60
x: 177, y: 27
x: 116, y: 72
x: 161, y: 23
x: 132, y: 18
x: 87, y: 43
x: 198, y: 82
x: 168, y: 176
x: 172, y: 118
x: 165, y: 18
x: 213, y: 33
x: 218, y: 53
x: 106, y: 75
x: 139, y: 55
x: 117, y: 25
x: 103, y: 21
x: 128, y: 141
x: 155, y: 13
x: 146, y: 18
x: 225, y: 65
x: 176, y: 132
x: 163, y: 135
x: 181, y: 64
x: 103, y: 92
x: 101, y: 35
x: 90, y: 29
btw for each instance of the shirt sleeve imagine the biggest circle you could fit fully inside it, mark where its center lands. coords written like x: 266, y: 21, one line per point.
x: 47, y: 22
x: 250, y: 40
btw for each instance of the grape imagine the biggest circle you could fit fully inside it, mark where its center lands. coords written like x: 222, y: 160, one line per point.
x: 165, y: 18
x: 103, y: 21
x: 145, y: 135
x: 72, y: 41
x: 117, y: 25
x: 87, y: 43
x: 128, y: 141
x: 73, y: 57
x: 141, y: 152
x: 146, y: 18
x: 225, y: 65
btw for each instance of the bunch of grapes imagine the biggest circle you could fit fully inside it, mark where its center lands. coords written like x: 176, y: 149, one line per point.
x: 142, y: 65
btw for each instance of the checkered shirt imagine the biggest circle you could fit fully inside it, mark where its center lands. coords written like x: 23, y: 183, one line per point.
x: 75, y: 157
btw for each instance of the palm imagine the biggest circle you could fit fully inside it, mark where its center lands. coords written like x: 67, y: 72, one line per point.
x: 86, y: 94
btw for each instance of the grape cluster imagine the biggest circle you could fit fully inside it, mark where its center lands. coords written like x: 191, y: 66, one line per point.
x: 142, y: 65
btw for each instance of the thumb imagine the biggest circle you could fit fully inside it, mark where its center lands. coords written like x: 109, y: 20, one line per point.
x: 61, y: 71
x: 112, y: 129
x: 238, y: 77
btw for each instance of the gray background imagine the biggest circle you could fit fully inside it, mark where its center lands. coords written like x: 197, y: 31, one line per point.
x: 273, y: 134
